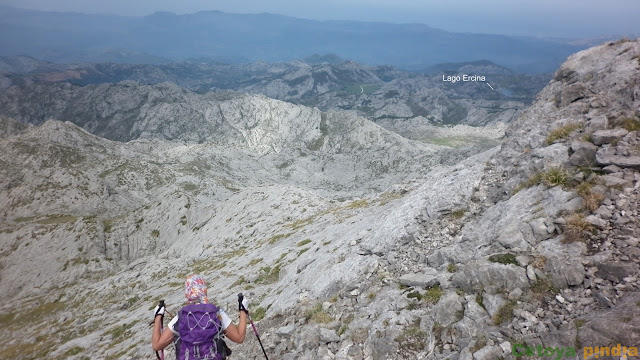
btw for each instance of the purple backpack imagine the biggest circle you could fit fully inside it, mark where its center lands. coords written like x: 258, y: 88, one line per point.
x: 200, y: 332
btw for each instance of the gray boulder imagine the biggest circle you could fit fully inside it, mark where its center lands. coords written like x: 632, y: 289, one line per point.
x: 562, y: 262
x: 426, y: 279
x: 556, y: 153
x: 584, y: 153
x: 598, y: 123
x: 478, y: 275
x: 602, y: 137
x: 617, y: 271
x: 448, y: 310
x: 327, y: 336
x: 488, y: 353
x: 473, y: 310
x: 493, y: 303
x: 608, y: 156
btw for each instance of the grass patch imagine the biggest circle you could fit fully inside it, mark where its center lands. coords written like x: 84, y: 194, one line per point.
x: 155, y: 233
x: 73, y: 351
x: 304, y: 242
x: 268, y: 275
x: 452, y: 268
x: 412, y: 337
x: 345, y: 324
x: 74, y: 262
x: 255, y: 261
x: 531, y: 181
x: 389, y: 196
x: 241, y: 280
x: 357, y: 204
x: 107, y: 225
x: 503, y: 259
x: 629, y: 123
x: 414, y: 295
x: 318, y: 315
x: 592, y: 199
x: 300, y: 223
x: 303, y: 251
x: 258, y: 314
x: 235, y: 253
x: 554, y: 176
x: 543, y: 286
x: 577, y: 229
x: 562, y: 132
x: 59, y: 219
x: 6, y: 319
x: 505, y: 313
x: 120, y: 333
x: 458, y: 214
x: 433, y: 295
x: 480, y: 300
x: 275, y: 238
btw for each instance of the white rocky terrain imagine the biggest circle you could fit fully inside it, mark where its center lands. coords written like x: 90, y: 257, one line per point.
x: 409, y: 103
x: 351, y: 242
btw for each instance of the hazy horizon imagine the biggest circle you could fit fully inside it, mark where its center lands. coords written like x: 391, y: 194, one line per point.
x: 544, y: 18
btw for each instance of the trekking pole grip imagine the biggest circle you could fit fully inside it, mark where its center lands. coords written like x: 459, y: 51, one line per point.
x: 240, y: 306
x: 160, y: 308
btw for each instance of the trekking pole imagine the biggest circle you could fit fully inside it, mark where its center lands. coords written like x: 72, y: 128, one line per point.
x: 255, y: 331
x: 160, y: 354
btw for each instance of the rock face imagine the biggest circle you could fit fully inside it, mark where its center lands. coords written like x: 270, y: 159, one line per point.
x: 522, y: 244
x: 413, y: 105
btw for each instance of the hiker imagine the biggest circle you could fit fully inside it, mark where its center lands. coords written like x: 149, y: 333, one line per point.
x: 194, y: 328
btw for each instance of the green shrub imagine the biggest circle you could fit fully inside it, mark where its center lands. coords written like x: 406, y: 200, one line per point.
x: 433, y: 294
x: 503, y: 259
x: 155, y: 233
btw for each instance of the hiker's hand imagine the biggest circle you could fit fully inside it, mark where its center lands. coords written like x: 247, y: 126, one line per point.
x: 243, y: 303
x: 159, y: 310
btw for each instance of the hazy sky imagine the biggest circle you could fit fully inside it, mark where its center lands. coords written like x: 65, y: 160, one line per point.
x: 573, y: 18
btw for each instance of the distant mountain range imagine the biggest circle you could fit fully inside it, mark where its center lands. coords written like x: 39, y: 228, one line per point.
x: 163, y: 37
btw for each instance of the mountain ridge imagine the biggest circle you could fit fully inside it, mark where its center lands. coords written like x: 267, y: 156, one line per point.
x: 288, y: 39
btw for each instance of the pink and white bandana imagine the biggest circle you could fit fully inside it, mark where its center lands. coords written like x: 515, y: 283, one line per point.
x: 195, y: 289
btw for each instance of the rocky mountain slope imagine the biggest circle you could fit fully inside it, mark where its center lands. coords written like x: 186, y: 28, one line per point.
x: 533, y: 242
x: 413, y: 105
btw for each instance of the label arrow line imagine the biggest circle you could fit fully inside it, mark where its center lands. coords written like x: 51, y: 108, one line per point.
x: 491, y: 87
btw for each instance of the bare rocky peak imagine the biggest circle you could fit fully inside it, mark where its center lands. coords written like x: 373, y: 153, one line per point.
x: 9, y: 127
x: 534, y: 242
